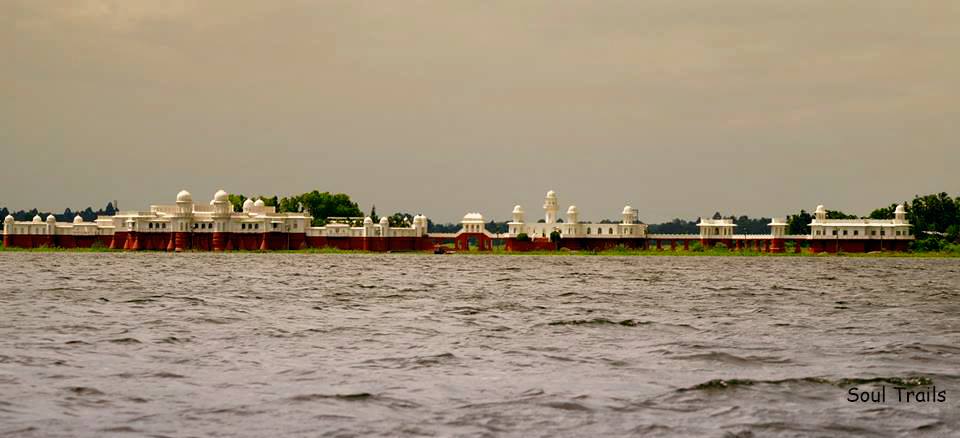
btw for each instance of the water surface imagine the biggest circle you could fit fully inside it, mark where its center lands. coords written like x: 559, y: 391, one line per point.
x: 348, y: 345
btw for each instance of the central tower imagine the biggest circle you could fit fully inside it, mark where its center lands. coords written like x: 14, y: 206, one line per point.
x: 551, y: 207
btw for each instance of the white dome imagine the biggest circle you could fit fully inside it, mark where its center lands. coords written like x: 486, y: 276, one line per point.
x: 51, y: 218
x: 628, y: 209
x: 77, y: 219
x: 258, y: 203
x: 820, y: 209
x: 384, y: 222
x: 572, y: 209
x: 184, y: 196
x: 37, y: 219
x: 367, y: 221
x: 551, y: 194
x: 9, y: 219
x: 247, y: 205
x: 900, y: 209
x: 517, y: 209
x: 221, y: 196
x: 473, y: 217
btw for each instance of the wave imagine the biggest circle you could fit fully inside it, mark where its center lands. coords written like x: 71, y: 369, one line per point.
x: 717, y: 384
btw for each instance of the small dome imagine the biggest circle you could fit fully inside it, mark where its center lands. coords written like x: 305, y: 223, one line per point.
x: 258, y: 203
x: 820, y: 209
x: 384, y: 222
x: 9, y: 219
x: 473, y: 217
x: 628, y: 209
x: 51, y: 218
x: 247, y: 205
x: 900, y: 209
x: 77, y: 219
x: 517, y: 209
x: 221, y: 196
x: 572, y: 209
x: 184, y: 196
x: 37, y: 219
x: 367, y: 221
x: 551, y: 194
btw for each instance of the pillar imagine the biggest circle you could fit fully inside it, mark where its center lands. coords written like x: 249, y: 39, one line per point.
x: 776, y: 245
x: 796, y: 246
x: 218, y: 241
x: 135, y: 245
x: 658, y: 245
x: 264, y: 242
x: 6, y: 241
x: 736, y: 244
x: 179, y: 241
x: 686, y: 245
x: 673, y: 245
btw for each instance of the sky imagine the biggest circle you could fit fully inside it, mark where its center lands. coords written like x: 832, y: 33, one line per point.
x: 679, y: 109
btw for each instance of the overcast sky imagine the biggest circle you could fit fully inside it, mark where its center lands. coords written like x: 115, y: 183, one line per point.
x: 442, y: 107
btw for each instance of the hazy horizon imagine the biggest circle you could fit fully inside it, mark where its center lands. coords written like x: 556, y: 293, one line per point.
x: 444, y: 107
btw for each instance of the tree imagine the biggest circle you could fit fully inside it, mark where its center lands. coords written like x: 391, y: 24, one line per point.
x: 373, y: 214
x: 717, y: 216
x: 399, y: 219
x: 237, y: 201
x: 799, y: 224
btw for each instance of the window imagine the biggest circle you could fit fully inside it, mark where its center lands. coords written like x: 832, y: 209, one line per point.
x: 834, y: 232
x: 150, y: 225
x: 599, y: 230
x: 844, y: 232
x: 294, y: 225
x: 883, y: 232
x: 898, y: 232
x: 275, y: 226
x: 873, y: 232
x: 856, y: 232
x: 610, y: 231
x: 716, y: 231
x: 256, y: 226
x: 588, y: 230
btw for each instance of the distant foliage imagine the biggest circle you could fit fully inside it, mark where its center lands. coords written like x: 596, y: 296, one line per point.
x: 676, y: 226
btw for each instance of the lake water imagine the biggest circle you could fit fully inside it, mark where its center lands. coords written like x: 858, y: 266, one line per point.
x: 401, y: 344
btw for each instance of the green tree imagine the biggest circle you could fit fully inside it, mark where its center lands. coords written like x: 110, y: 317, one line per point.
x: 399, y: 219
x: 799, y: 224
x: 373, y: 214
x: 237, y: 201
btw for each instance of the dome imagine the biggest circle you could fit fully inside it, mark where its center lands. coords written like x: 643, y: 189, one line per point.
x: 628, y: 209
x: 572, y: 209
x: 77, y: 219
x: 551, y: 194
x: 247, y: 205
x: 258, y: 203
x: 51, y: 218
x: 9, y: 219
x: 517, y: 209
x: 221, y: 196
x: 820, y: 209
x: 384, y: 222
x: 367, y: 221
x: 900, y: 209
x: 473, y: 217
x: 37, y: 219
x: 184, y: 196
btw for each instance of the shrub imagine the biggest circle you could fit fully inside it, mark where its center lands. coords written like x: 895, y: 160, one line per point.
x: 523, y: 237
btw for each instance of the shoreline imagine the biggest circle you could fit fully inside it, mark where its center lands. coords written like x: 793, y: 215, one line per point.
x: 559, y: 253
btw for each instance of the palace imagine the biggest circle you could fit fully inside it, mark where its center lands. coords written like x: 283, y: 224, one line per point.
x: 215, y: 226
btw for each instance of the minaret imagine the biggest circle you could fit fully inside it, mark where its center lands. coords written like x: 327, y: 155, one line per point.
x: 551, y: 207
x: 820, y: 214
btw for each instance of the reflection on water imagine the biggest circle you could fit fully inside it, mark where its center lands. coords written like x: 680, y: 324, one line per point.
x: 306, y: 344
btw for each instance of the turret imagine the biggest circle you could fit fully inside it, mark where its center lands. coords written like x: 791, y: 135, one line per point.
x: 384, y: 226
x: 247, y: 205
x: 778, y: 227
x: 630, y: 215
x: 572, y: 215
x: 551, y: 207
x: 820, y: 214
x: 184, y: 203
x: 900, y: 214
x: 518, y: 214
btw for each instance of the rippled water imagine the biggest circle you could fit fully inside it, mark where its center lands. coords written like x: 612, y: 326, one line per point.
x: 306, y: 344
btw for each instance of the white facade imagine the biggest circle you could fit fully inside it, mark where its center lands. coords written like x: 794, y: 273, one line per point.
x: 629, y: 227
x: 880, y: 229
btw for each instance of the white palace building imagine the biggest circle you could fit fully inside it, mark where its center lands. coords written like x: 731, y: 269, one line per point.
x: 186, y: 225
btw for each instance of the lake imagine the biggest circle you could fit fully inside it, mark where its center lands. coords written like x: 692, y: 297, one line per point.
x: 166, y: 344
